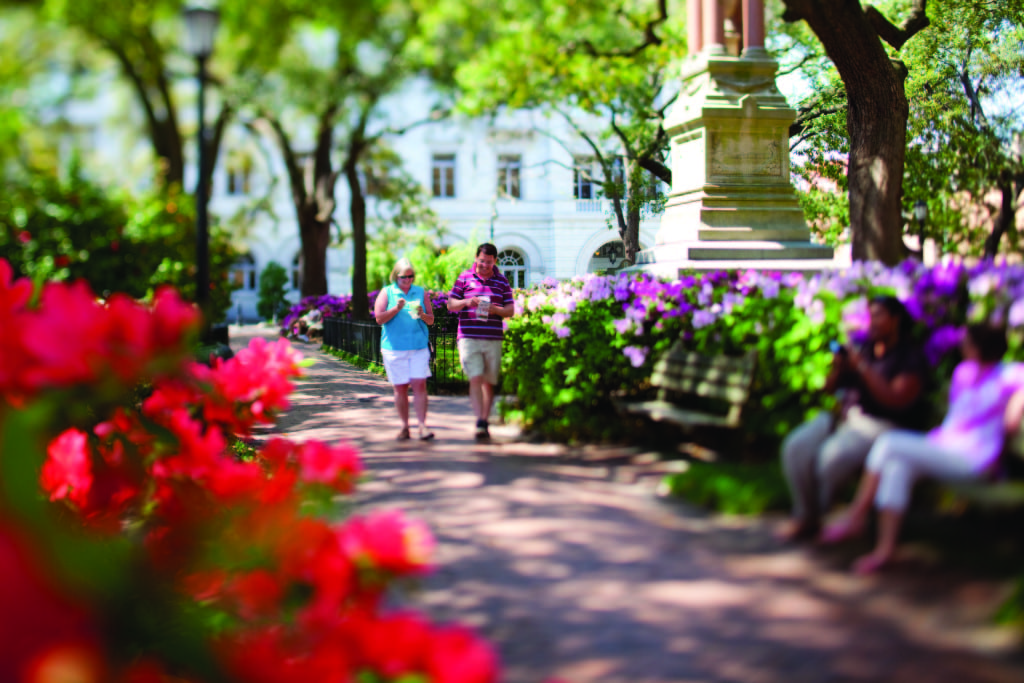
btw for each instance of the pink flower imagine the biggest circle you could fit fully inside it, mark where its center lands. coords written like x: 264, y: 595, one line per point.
x: 395, y: 645
x: 457, y: 655
x: 67, y: 472
x: 337, y: 467
x: 388, y: 541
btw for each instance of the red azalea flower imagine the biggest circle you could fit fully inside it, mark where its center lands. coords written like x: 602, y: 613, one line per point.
x: 67, y: 472
x: 256, y: 594
x: 337, y: 467
x: 395, y: 645
x: 387, y: 540
x: 457, y: 655
x: 42, y: 631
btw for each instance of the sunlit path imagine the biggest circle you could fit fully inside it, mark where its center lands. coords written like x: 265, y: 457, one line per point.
x: 580, y: 572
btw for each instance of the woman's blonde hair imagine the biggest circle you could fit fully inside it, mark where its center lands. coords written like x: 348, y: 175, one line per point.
x: 403, y: 264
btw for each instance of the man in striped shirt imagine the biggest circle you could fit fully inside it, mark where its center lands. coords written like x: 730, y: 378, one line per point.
x: 483, y: 298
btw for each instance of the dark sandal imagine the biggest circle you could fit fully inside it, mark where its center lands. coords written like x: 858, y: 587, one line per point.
x: 426, y: 436
x: 403, y: 435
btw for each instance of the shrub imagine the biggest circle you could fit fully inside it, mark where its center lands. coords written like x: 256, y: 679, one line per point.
x: 732, y: 488
x: 138, y: 541
x: 62, y: 230
x: 273, y: 286
x: 571, y: 344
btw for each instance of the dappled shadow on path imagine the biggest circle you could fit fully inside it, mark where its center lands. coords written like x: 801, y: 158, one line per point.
x: 574, y: 574
x: 577, y: 577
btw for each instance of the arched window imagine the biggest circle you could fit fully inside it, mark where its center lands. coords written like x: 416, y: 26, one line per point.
x: 512, y: 265
x: 243, y: 273
x: 297, y: 271
x: 608, y: 255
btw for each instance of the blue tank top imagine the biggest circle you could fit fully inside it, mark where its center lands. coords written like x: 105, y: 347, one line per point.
x: 403, y: 333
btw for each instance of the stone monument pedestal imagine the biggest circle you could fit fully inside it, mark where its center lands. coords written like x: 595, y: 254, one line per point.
x: 731, y: 203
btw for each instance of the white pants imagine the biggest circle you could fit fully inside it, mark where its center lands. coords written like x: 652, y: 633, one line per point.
x: 900, y: 458
x: 818, y: 460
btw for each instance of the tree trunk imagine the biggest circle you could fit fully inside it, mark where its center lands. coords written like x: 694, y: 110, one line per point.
x: 1004, y: 219
x: 631, y: 238
x: 876, y: 122
x: 357, y: 214
x: 315, y: 236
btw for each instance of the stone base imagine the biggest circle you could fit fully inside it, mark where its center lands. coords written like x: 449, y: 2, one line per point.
x: 671, y: 260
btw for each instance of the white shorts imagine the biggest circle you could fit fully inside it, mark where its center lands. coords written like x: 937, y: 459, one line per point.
x: 404, y: 366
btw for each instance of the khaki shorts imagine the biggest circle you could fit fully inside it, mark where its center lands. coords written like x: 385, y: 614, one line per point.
x: 480, y: 357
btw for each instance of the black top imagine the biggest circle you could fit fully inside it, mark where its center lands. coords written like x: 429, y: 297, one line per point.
x: 899, y: 360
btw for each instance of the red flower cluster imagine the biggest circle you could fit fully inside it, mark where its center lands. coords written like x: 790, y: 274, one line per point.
x: 285, y: 595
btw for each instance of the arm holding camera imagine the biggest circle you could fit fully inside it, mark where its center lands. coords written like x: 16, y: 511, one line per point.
x: 897, y: 393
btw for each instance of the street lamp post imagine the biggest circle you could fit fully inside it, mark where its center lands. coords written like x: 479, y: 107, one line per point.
x: 200, y: 31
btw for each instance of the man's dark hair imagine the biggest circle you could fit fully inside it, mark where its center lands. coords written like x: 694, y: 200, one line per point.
x: 487, y: 249
x: 896, y: 309
x: 990, y: 340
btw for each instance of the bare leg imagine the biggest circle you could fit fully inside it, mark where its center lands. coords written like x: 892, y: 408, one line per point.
x: 419, y: 390
x: 855, y: 519
x: 402, y: 403
x: 487, y: 399
x: 889, y: 523
x: 476, y: 385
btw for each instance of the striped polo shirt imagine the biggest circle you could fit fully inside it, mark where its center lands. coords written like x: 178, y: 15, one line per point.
x: 469, y: 285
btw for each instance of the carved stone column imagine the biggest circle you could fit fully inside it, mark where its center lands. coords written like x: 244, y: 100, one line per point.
x: 753, y: 29
x: 714, y: 27
x: 731, y: 203
x: 694, y: 26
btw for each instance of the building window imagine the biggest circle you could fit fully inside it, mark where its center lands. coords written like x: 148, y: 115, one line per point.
x: 297, y: 271
x: 243, y: 273
x: 513, y: 266
x: 618, y: 179
x: 607, y: 256
x: 583, y: 178
x: 443, y: 172
x: 509, y: 168
x: 239, y: 180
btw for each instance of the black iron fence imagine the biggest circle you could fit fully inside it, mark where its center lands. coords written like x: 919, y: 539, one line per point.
x: 362, y: 338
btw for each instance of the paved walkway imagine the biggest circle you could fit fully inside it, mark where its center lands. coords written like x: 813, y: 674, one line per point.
x: 569, y: 563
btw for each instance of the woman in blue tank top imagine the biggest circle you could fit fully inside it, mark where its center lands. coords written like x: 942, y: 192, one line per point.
x: 404, y: 311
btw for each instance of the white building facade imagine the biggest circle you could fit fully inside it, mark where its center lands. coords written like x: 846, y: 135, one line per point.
x: 518, y: 180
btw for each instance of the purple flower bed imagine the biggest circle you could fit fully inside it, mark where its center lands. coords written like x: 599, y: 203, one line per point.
x: 574, y: 342
x: 332, y: 306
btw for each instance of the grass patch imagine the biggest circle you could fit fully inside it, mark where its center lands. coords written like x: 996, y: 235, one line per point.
x: 733, y: 488
x: 355, y: 360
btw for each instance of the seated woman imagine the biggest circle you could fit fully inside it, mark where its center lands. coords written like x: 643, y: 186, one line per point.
x: 884, y: 380
x: 986, y: 400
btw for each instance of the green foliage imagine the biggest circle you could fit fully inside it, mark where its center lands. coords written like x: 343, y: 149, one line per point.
x: 732, y: 488
x: 582, y: 64
x: 964, y: 88
x: 356, y: 360
x: 273, y: 286
x: 563, y: 384
x: 69, y: 229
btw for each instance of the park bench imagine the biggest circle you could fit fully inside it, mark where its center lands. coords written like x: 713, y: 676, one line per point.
x: 696, y: 389
x: 1004, y: 493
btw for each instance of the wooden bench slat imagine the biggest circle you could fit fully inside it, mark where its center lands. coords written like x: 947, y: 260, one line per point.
x: 675, y: 373
x: 679, y: 373
x: 1003, y: 493
x: 666, y: 410
x: 743, y: 364
x: 703, y: 388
